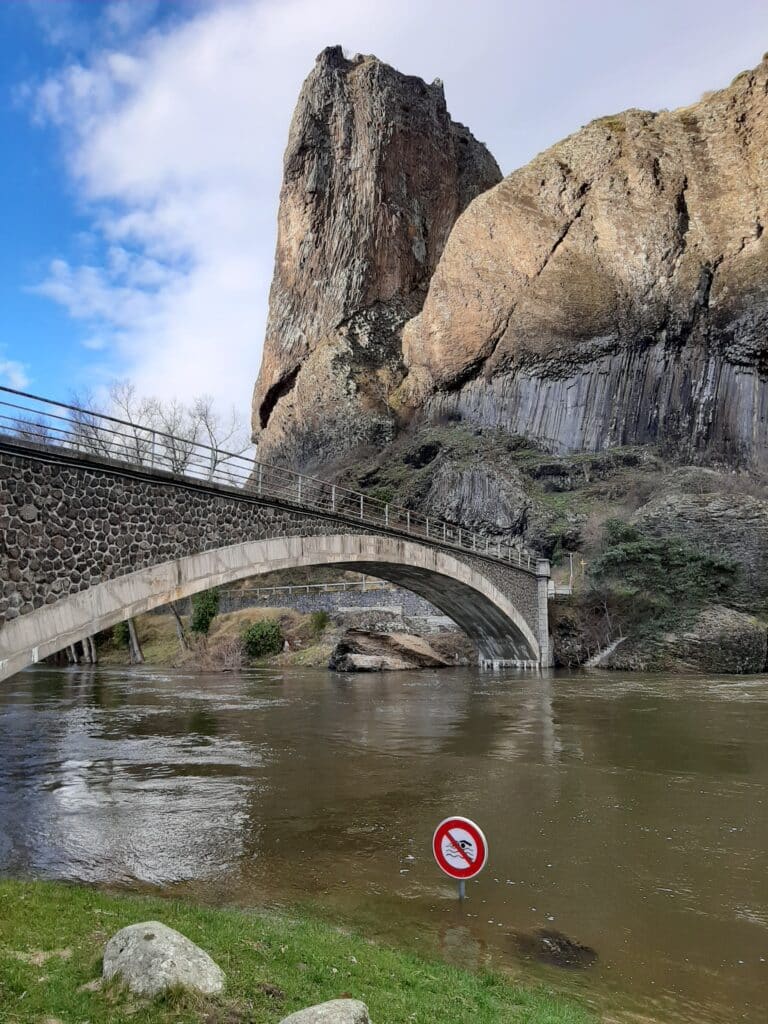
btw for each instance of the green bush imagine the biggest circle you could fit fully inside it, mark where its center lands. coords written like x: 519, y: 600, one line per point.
x: 262, y: 638
x: 205, y: 608
x: 319, y: 622
x: 120, y: 634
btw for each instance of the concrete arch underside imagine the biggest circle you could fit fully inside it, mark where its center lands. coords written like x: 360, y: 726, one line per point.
x: 460, y: 591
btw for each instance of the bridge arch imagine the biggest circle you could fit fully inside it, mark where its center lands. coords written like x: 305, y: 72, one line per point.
x: 452, y: 584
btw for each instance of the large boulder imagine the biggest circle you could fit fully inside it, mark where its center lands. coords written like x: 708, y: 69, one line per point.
x: 150, y: 958
x: 719, y: 639
x: 361, y: 651
x: 337, y: 1011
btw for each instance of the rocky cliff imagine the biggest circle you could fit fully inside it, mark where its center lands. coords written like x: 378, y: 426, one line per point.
x: 614, y: 291
x: 375, y: 175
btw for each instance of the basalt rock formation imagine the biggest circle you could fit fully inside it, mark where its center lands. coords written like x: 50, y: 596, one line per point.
x: 375, y: 175
x: 614, y: 291
x: 584, y: 340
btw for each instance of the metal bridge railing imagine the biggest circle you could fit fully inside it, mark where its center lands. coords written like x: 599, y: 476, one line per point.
x: 32, y: 419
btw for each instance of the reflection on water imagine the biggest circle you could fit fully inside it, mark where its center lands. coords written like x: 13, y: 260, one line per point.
x: 628, y: 813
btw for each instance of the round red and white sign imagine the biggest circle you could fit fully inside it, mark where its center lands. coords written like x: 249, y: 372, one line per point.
x: 460, y: 848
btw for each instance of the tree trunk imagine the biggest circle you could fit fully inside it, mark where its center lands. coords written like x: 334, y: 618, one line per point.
x: 179, y: 627
x: 137, y: 658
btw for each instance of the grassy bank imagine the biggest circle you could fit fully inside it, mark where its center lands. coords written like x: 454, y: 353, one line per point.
x: 161, y: 649
x: 52, y: 936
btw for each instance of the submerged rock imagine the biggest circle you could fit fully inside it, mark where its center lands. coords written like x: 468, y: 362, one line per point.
x: 549, y: 946
x: 336, y: 1011
x: 151, y: 957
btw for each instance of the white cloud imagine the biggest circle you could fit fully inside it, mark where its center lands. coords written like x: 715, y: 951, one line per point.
x: 175, y: 136
x: 13, y: 374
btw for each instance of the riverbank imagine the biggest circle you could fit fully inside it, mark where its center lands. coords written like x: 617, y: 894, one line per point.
x: 309, y: 640
x: 52, y: 936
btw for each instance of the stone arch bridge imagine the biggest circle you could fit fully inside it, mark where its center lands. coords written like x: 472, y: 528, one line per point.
x: 91, y: 538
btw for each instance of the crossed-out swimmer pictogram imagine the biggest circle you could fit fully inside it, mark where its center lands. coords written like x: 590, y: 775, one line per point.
x: 460, y: 848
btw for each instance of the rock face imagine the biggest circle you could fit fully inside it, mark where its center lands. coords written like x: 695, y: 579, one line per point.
x: 336, y: 1011
x: 723, y: 523
x: 375, y: 175
x: 615, y: 290
x: 719, y: 639
x: 150, y: 958
x: 612, y: 292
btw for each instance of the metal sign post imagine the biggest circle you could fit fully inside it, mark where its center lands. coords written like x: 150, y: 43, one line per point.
x: 460, y: 849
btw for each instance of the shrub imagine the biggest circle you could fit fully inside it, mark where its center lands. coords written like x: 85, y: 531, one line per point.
x: 262, y: 638
x: 205, y: 608
x: 120, y: 634
x: 319, y: 622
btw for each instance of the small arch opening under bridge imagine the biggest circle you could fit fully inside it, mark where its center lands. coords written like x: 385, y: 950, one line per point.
x: 457, y: 588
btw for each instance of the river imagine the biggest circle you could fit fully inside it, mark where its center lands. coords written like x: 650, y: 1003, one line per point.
x: 627, y: 812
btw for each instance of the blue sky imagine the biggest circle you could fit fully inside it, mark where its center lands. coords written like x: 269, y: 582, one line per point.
x: 142, y: 144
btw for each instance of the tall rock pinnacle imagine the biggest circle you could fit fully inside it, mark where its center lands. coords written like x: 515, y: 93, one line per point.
x: 375, y: 175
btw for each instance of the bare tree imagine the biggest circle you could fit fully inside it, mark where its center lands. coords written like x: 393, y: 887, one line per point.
x: 180, y: 632
x: 134, y: 646
x: 226, y: 436
x: 166, y: 434
x: 135, y: 437
x: 180, y: 432
x: 34, y: 428
x: 87, y: 430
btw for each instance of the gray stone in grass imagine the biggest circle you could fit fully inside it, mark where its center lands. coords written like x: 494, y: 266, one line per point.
x: 150, y: 958
x: 337, y: 1011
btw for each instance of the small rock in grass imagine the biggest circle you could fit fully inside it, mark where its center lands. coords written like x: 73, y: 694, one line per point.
x: 337, y: 1011
x: 150, y: 958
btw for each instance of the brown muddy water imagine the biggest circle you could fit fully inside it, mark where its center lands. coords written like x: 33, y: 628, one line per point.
x: 628, y: 813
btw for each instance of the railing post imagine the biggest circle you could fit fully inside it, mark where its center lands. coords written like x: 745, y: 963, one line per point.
x: 298, y: 490
x: 498, y: 549
x: 333, y: 497
x: 443, y: 533
x: 386, y: 515
x: 487, y: 544
x: 427, y: 527
x: 361, y: 506
x: 408, y: 520
x: 261, y: 471
x: 152, y: 454
x: 474, y: 541
x: 459, y: 536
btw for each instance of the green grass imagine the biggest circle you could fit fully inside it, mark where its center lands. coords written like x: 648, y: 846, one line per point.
x: 275, y: 964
